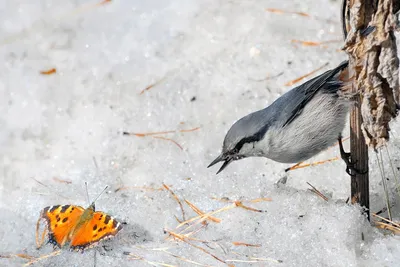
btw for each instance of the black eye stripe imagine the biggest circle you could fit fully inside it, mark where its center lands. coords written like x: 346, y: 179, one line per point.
x: 250, y: 139
x: 242, y: 142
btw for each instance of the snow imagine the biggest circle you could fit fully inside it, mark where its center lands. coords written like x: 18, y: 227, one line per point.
x: 208, y: 60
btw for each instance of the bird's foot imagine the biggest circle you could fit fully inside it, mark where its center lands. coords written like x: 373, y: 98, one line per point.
x: 346, y: 157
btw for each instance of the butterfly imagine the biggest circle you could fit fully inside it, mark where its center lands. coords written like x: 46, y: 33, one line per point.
x: 75, y: 226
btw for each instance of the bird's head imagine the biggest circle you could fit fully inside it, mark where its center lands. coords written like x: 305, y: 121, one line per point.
x: 240, y: 141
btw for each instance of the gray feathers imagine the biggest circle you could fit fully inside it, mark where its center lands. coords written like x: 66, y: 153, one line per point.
x: 307, y: 90
x: 299, y: 124
x: 283, y: 111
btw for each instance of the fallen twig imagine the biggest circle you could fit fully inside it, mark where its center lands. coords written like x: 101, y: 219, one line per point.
x: 200, y: 212
x: 184, y: 239
x: 177, y: 199
x: 240, y: 205
x: 317, y: 192
x: 280, y: 11
x: 204, y: 217
x: 62, y: 181
x: 386, y: 220
x: 153, y: 85
x: 159, y: 133
x: 147, y: 134
x: 246, y: 244
x: 104, y: 2
x: 48, y: 72
x: 189, y: 130
x: 305, y: 76
x: 169, y: 139
x: 301, y: 165
x: 313, y: 43
x: 32, y: 261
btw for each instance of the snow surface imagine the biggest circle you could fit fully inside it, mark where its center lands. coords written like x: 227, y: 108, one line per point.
x: 212, y: 57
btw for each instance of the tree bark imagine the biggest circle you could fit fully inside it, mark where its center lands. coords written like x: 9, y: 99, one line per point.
x: 374, y: 69
x: 359, y: 155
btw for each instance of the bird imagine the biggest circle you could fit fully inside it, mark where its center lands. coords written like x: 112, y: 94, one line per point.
x: 298, y: 125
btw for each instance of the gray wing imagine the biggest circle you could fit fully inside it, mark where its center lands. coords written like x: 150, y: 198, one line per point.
x: 305, y: 92
x: 253, y: 127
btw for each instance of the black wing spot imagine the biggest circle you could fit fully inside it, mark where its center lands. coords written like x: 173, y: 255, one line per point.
x: 95, y: 227
x: 94, y: 236
x: 64, y: 208
x: 55, y: 226
x: 72, y: 209
x: 100, y: 229
x: 54, y: 208
x: 65, y: 219
x: 107, y: 219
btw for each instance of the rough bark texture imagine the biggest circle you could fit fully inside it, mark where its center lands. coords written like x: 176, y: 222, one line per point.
x: 374, y: 69
x: 359, y: 154
x: 376, y: 66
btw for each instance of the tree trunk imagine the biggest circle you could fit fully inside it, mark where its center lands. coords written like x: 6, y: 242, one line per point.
x: 372, y: 50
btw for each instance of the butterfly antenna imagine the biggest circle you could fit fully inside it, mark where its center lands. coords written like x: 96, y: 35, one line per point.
x: 87, y: 193
x: 100, y: 193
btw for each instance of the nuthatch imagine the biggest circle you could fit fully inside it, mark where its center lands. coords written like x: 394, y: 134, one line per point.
x: 298, y: 125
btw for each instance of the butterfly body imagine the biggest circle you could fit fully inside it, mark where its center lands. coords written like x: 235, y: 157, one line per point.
x: 86, y: 216
x: 77, y: 227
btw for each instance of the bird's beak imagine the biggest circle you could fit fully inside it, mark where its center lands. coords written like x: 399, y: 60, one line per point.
x: 220, y: 158
x: 215, y: 161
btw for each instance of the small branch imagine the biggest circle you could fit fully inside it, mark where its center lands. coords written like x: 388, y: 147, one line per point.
x: 305, y: 76
x: 317, y: 192
x: 177, y: 200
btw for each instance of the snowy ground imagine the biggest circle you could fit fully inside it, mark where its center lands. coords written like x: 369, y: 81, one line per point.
x: 212, y: 57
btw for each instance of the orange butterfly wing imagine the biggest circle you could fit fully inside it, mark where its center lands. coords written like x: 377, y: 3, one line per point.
x: 60, y: 220
x: 100, y: 226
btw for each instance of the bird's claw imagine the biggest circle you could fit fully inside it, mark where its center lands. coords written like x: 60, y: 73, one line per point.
x: 353, y: 171
x: 346, y: 157
x: 350, y: 170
